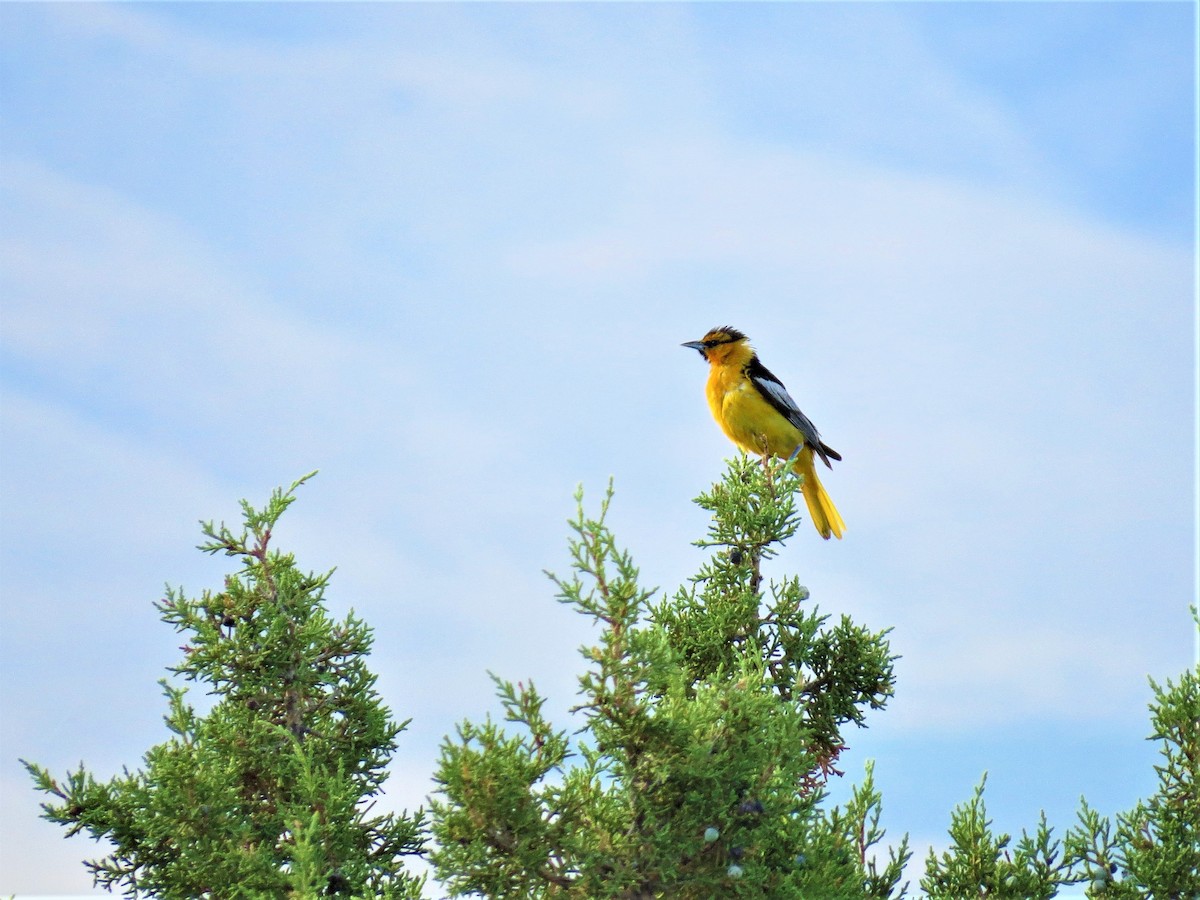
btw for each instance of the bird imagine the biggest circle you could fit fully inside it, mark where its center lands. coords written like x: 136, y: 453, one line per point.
x: 757, y: 413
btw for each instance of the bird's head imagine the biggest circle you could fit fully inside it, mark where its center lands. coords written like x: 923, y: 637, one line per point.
x: 720, y: 343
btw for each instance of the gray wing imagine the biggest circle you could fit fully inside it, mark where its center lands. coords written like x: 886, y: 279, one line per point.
x: 776, y: 394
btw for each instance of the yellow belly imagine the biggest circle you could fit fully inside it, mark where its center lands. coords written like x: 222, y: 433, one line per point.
x: 749, y: 420
x: 757, y: 427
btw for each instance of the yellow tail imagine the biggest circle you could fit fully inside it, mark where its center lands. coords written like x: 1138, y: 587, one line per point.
x: 824, y: 514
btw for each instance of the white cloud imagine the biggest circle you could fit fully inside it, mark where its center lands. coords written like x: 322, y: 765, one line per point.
x: 445, y: 271
x: 945, y: 324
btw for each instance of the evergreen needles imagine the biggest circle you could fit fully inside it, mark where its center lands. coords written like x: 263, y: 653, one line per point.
x: 707, y: 726
x: 710, y: 723
x: 268, y: 794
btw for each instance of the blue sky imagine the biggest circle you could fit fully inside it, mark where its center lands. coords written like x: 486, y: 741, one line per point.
x: 446, y: 254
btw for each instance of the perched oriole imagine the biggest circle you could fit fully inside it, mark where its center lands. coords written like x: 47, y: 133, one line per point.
x: 758, y: 414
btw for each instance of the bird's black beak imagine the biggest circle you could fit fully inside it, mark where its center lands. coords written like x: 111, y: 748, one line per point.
x: 694, y: 345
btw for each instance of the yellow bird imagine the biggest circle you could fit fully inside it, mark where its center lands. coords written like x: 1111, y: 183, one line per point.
x: 758, y: 414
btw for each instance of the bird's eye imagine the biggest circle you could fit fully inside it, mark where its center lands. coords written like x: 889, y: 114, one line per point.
x: 711, y: 344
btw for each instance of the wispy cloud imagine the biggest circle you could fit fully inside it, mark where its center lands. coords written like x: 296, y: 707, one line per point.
x: 441, y: 251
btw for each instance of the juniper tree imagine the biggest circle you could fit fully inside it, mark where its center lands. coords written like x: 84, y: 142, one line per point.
x: 711, y: 721
x: 269, y: 793
x: 982, y: 863
x: 1152, y: 851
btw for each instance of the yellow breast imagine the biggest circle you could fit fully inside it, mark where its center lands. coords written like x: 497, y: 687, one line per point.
x: 746, y: 417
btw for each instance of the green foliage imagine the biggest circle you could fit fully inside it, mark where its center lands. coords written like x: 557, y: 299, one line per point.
x: 1152, y: 852
x: 1154, y: 849
x: 267, y: 794
x: 711, y: 721
x: 857, y: 828
x: 980, y: 863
